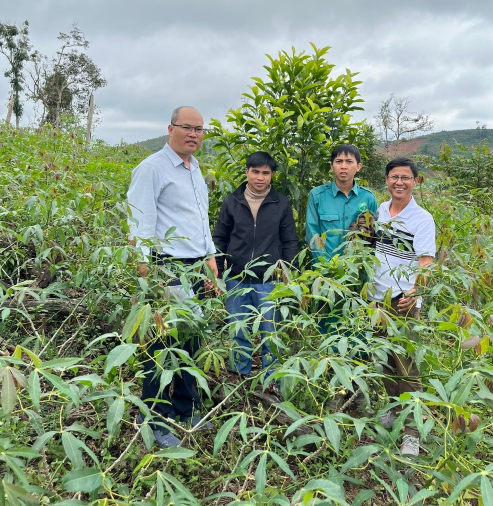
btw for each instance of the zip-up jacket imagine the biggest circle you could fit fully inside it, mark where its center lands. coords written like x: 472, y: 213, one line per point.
x: 241, y: 240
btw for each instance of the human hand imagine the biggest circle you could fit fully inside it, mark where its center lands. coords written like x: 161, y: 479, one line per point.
x: 407, y: 302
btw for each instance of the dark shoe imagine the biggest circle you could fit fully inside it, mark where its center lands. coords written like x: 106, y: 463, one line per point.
x: 387, y: 420
x: 164, y: 438
x: 195, y: 420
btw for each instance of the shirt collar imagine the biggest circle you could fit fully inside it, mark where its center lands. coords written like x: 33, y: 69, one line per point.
x: 336, y: 190
x: 177, y: 161
x: 405, y: 212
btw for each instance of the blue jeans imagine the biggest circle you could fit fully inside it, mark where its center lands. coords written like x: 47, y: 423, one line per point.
x: 237, y: 307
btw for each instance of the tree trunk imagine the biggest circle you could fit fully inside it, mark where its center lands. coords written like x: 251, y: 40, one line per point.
x: 9, y: 111
x: 89, y: 118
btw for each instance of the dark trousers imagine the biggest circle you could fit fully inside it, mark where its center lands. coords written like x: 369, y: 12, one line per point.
x: 181, y: 393
x: 401, y: 371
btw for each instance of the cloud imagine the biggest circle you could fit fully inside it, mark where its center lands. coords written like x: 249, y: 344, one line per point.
x: 159, y: 54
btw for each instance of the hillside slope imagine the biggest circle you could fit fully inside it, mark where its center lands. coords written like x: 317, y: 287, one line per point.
x: 430, y: 144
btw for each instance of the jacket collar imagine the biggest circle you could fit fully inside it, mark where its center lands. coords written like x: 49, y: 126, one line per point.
x: 336, y: 190
x: 239, y: 193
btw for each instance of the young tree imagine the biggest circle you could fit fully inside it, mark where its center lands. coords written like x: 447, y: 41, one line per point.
x: 397, y: 123
x: 297, y: 114
x: 64, y: 84
x: 15, y: 46
x: 471, y: 165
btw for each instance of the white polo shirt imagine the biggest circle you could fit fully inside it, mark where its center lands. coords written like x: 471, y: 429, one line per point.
x: 401, y: 240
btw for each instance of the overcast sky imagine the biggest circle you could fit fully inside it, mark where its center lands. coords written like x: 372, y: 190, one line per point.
x: 159, y: 54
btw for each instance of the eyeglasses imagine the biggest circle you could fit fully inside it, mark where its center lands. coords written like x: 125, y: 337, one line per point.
x: 188, y: 128
x: 404, y: 179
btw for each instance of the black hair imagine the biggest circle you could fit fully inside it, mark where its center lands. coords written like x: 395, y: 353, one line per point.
x: 346, y: 149
x: 402, y: 162
x: 260, y: 159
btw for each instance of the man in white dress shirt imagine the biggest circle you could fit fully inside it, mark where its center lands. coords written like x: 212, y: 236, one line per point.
x: 168, y: 190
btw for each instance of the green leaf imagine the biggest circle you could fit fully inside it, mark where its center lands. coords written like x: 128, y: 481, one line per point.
x: 422, y: 494
x: 70, y: 502
x: 261, y: 474
x: 42, y: 440
x: 282, y: 464
x: 198, y: 375
x: 468, y: 480
x: 461, y: 396
x: 359, y: 456
x: 403, y: 489
x: 115, y: 414
x: 333, y: 433
x: 34, y: 388
x: 132, y: 322
x: 362, y: 497
x: 14, y: 493
x: 224, y: 432
x: 9, y: 393
x: 60, y: 363
x: 71, y: 447
x: 176, y: 452
x: 86, y: 479
x: 119, y: 355
x: 342, y: 375
x: 147, y: 435
x: 298, y: 423
x: 36, y: 421
x: 486, y: 491
x: 62, y: 386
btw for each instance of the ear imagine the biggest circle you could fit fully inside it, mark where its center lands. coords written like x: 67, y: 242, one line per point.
x: 246, y: 171
x: 359, y: 167
x: 170, y: 129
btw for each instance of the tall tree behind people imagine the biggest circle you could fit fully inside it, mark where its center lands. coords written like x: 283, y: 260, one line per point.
x: 15, y: 46
x: 64, y: 83
x: 297, y: 114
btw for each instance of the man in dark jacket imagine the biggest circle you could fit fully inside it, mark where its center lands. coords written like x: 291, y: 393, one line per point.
x: 255, y: 222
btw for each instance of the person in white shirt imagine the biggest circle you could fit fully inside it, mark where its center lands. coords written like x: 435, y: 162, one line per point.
x: 167, y: 190
x: 405, y: 244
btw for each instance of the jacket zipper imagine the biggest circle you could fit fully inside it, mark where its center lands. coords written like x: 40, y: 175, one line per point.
x: 254, y: 232
x: 254, y: 223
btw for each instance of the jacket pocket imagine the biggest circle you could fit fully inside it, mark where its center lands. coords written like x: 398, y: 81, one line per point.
x: 330, y: 222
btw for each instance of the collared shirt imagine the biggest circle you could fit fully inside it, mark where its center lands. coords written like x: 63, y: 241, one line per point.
x: 163, y: 193
x: 329, y: 211
x: 410, y: 235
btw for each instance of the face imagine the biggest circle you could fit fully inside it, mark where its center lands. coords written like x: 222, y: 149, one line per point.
x: 259, y: 178
x: 399, y: 189
x: 185, y: 143
x: 344, y: 168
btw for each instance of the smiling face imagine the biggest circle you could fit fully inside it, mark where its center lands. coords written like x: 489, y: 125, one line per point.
x: 345, y: 168
x: 401, y: 190
x: 259, y: 178
x: 185, y: 143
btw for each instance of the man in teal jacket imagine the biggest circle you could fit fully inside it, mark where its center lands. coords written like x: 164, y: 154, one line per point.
x: 331, y: 209
x: 334, y: 206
